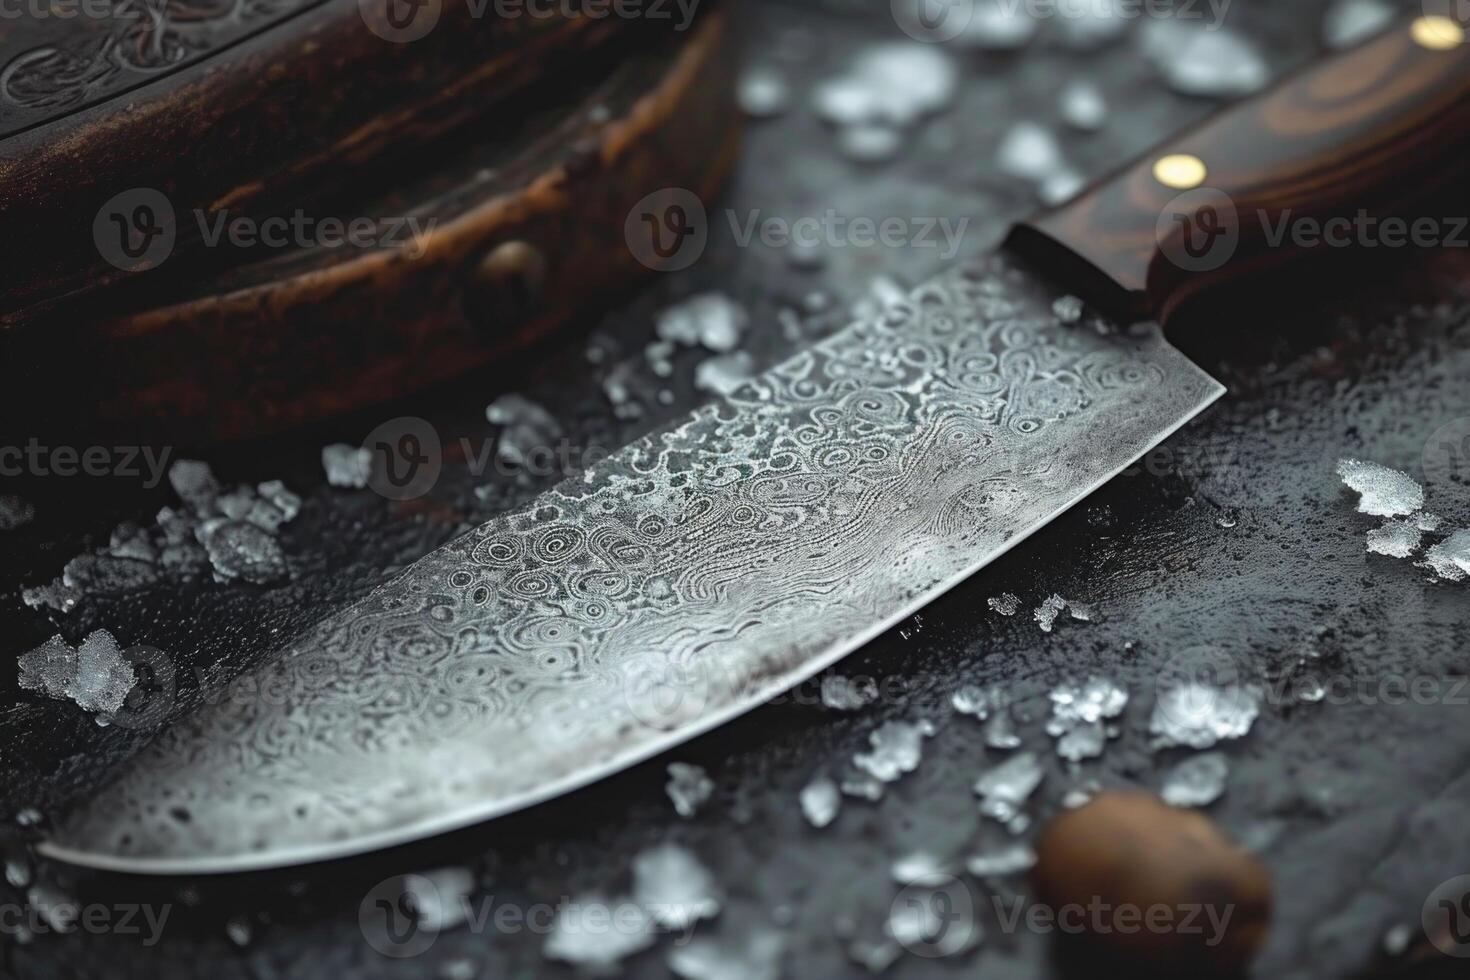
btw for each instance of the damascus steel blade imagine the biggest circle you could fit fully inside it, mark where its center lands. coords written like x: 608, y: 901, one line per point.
x: 693, y: 575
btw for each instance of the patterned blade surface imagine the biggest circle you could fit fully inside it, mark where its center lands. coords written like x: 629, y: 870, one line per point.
x: 693, y: 575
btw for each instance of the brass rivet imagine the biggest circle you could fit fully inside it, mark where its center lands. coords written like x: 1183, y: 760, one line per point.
x: 1181, y: 171
x: 516, y: 270
x: 1437, y: 33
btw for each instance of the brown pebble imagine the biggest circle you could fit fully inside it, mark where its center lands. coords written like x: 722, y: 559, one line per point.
x: 1127, y: 859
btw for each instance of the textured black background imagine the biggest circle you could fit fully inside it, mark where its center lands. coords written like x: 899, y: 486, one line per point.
x: 1364, y: 804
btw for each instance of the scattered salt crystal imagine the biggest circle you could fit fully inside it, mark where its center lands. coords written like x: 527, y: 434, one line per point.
x: 997, y: 26
x: 1083, y: 106
x: 1396, y: 539
x: 1006, y: 788
x: 1427, y: 522
x: 17, y: 873
x: 1084, y: 740
x: 975, y: 701
x: 241, y: 550
x: 1000, y: 732
x: 1384, y: 492
x: 57, y: 595
x: 847, y: 694
x: 897, y: 748
x: 194, y: 482
x: 1199, y: 781
x: 1090, y: 25
x: 845, y: 102
x: 1450, y: 559
x: 713, y: 320
x: 95, y: 675
x: 103, y: 678
x: 918, y: 866
x: 1081, y: 611
x: 869, y: 142
x: 1008, y: 859
x: 50, y: 668
x: 1075, y: 799
x: 1029, y: 151
x: 28, y: 817
x: 1067, y: 309
x: 15, y: 512
x: 875, y: 956
x: 820, y: 801
x: 1006, y: 603
x: 107, y: 574
x: 1198, y: 715
x: 1215, y: 63
x: 56, y: 908
x: 672, y: 886
x: 440, y: 897
x: 1096, y: 699
x: 460, y: 968
x: 863, y: 788
x: 347, y: 466
x: 753, y: 955
x: 597, y: 945
x: 689, y: 786
x: 1046, y: 614
x: 526, y: 428
x: 237, y: 928
x: 723, y: 374
x: 763, y: 92
x: 913, y: 79
x: 1060, y: 187
x: 1397, y: 939
x: 1348, y: 22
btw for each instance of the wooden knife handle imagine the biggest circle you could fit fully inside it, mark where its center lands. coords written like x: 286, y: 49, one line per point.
x: 1343, y: 151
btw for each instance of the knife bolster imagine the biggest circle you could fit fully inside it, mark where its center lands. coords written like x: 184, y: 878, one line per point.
x: 1340, y: 156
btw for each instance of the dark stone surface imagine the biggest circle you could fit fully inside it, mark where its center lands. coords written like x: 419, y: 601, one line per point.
x: 1355, y: 804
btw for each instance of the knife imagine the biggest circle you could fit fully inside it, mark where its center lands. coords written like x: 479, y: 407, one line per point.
x: 707, y: 568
